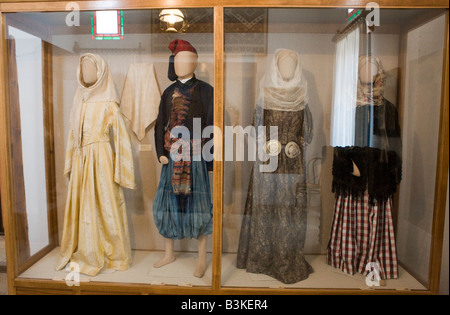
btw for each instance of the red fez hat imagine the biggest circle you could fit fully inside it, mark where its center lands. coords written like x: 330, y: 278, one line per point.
x: 181, y: 45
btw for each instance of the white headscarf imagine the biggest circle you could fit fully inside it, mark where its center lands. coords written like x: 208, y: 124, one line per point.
x: 372, y: 93
x: 278, y: 94
x: 103, y: 90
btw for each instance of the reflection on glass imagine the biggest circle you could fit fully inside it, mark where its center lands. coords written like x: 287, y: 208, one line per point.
x: 28, y: 57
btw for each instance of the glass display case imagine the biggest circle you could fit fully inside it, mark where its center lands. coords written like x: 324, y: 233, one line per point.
x: 310, y: 218
x: 214, y: 147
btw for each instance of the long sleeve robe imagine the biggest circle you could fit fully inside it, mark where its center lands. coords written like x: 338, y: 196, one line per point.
x: 95, y: 224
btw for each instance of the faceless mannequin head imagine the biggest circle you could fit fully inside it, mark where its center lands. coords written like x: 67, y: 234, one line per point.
x: 185, y: 64
x: 89, y: 72
x: 287, y: 63
x: 368, y: 71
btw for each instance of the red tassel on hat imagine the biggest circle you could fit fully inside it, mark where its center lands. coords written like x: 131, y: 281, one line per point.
x: 181, y: 45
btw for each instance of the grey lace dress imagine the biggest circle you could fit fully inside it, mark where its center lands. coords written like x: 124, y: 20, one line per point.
x: 274, y: 224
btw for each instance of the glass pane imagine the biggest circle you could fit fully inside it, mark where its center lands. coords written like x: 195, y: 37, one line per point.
x: 26, y: 104
x: 29, y: 69
x: 120, y: 210
x: 325, y: 146
x: 424, y: 55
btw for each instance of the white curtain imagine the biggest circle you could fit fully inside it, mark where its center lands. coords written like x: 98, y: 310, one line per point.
x: 345, y: 89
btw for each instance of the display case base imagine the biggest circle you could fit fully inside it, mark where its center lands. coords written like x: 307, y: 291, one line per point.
x: 180, y: 274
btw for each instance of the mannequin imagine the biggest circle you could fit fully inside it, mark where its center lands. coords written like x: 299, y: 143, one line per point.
x: 366, y: 76
x: 368, y: 72
x: 95, y: 230
x: 287, y: 64
x: 89, y: 72
x: 365, y: 179
x: 185, y: 64
x: 273, y: 229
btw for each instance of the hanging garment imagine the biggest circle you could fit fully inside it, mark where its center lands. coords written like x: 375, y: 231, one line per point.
x: 140, y: 97
x: 362, y: 231
x: 95, y: 234
x: 182, y: 207
x: 275, y: 219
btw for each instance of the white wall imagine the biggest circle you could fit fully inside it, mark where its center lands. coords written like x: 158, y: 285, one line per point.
x: 29, y: 70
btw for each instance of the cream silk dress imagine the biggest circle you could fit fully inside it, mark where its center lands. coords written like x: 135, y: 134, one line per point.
x: 96, y: 232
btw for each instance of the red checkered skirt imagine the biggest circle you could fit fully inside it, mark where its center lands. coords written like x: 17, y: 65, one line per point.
x: 362, y: 233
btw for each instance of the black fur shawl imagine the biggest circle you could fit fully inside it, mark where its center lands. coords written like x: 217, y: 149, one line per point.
x: 381, y: 172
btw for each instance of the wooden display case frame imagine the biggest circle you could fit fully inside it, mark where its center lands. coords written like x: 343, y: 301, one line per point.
x: 18, y: 285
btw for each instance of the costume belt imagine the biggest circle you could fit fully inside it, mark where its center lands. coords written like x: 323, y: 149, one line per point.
x: 291, y: 149
x: 92, y: 142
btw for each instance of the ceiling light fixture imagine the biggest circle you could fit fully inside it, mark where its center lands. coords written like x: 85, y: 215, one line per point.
x: 172, y: 20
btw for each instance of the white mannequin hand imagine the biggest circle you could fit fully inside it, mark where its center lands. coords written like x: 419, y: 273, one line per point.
x: 164, y: 160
